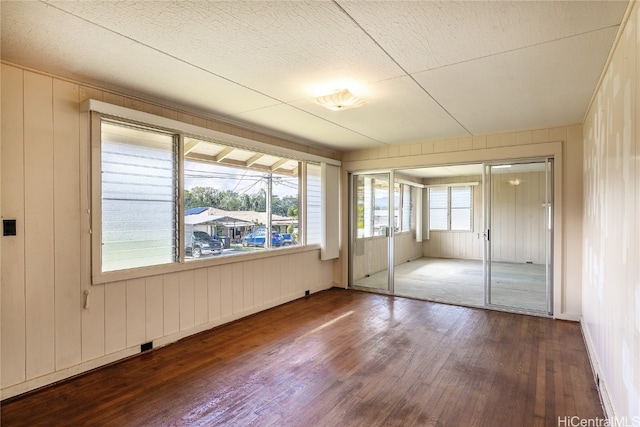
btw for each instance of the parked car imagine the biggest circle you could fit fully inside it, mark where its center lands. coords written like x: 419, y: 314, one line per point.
x: 201, y: 243
x: 258, y: 238
x: 290, y: 238
x: 287, y: 239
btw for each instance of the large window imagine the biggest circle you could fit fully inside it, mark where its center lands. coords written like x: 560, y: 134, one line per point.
x: 450, y: 208
x: 232, y: 196
x: 163, y: 197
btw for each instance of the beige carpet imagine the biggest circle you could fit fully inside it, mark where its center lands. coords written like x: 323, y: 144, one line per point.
x: 457, y: 281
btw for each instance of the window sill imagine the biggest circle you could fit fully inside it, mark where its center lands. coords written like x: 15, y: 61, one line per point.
x: 136, y: 273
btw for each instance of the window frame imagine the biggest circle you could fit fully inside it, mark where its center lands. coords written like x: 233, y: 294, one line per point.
x: 96, y: 115
x: 449, y: 208
x: 402, y: 204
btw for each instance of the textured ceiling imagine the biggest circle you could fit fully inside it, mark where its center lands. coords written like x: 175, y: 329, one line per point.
x: 427, y: 70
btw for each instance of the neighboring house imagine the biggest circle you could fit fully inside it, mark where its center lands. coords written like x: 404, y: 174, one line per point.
x: 234, y: 224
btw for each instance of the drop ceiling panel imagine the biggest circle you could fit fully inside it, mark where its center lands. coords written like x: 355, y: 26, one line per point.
x: 429, y: 34
x: 253, y: 43
x: 72, y: 48
x: 303, y: 125
x: 542, y: 86
x: 489, y: 66
x: 396, y: 111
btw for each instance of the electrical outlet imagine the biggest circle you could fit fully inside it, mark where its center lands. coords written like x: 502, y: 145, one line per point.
x: 9, y: 227
x: 307, y: 293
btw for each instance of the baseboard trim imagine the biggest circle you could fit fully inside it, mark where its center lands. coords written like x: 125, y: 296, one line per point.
x: 598, y: 378
x: 65, y: 374
x: 84, y: 367
x: 568, y: 316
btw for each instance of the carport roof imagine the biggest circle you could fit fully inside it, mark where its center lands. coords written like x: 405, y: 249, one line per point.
x: 233, y: 218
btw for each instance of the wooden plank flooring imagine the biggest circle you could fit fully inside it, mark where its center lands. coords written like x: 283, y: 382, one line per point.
x: 339, y: 358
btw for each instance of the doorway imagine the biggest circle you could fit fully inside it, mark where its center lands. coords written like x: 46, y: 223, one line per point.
x: 474, y: 235
x: 371, y: 243
x: 518, y: 235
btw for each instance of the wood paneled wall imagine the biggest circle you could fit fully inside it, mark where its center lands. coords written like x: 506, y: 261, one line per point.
x: 517, y: 232
x: 371, y: 256
x: 406, y: 248
x: 518, y: 217
x: 457, y: 244
x: 611, y: 214
x: 47, y: 334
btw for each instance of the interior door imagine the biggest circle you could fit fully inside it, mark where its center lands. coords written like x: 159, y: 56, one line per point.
x: 518, y: 235
x: 371, y: 232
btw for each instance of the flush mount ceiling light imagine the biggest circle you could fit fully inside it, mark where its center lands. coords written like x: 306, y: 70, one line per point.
x: 340, y: 100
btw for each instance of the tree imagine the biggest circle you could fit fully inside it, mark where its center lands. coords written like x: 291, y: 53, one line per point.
x: 199, y: 196
x: 231, y: 201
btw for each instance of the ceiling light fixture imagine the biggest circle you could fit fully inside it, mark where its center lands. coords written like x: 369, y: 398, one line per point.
x: 340, y: 100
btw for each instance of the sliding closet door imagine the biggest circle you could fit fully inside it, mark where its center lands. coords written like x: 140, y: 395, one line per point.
x: 371, y: 232
x: 518, y: 235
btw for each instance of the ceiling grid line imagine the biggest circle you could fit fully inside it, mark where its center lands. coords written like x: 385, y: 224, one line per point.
x: 516, y: 49
x: 401, y: 67
x: 279, y: 101
x: 498, y: 67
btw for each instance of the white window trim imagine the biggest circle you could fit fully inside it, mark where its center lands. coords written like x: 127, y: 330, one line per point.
x: 198, y: 131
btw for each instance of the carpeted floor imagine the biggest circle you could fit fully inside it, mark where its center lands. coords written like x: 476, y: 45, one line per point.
x: 458, y: 281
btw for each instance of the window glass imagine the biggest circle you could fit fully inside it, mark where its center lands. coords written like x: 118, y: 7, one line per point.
x: 314, y: 195
x: 138, y: 199
x: 224, y: 202
x: 438, y: 208
x: 284, y: 209
x: 407, y: 207
x: 233, y: 195
x: 461, y: 208
x: 363, y: 224
x: 403, y: 207
x: 397, y: 206
x: 381, y: 207
x: 450, y: 208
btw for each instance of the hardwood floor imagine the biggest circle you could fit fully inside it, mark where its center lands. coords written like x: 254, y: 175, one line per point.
x: 339, y: 358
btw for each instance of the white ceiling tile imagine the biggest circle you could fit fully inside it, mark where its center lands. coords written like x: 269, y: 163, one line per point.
x: 309, y: 127
x: 493, y: 66
x: 396, y: 111
x: 253, y: 43
x: 423, y: 35
x: 543, y: 86
x: 75, y: 49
